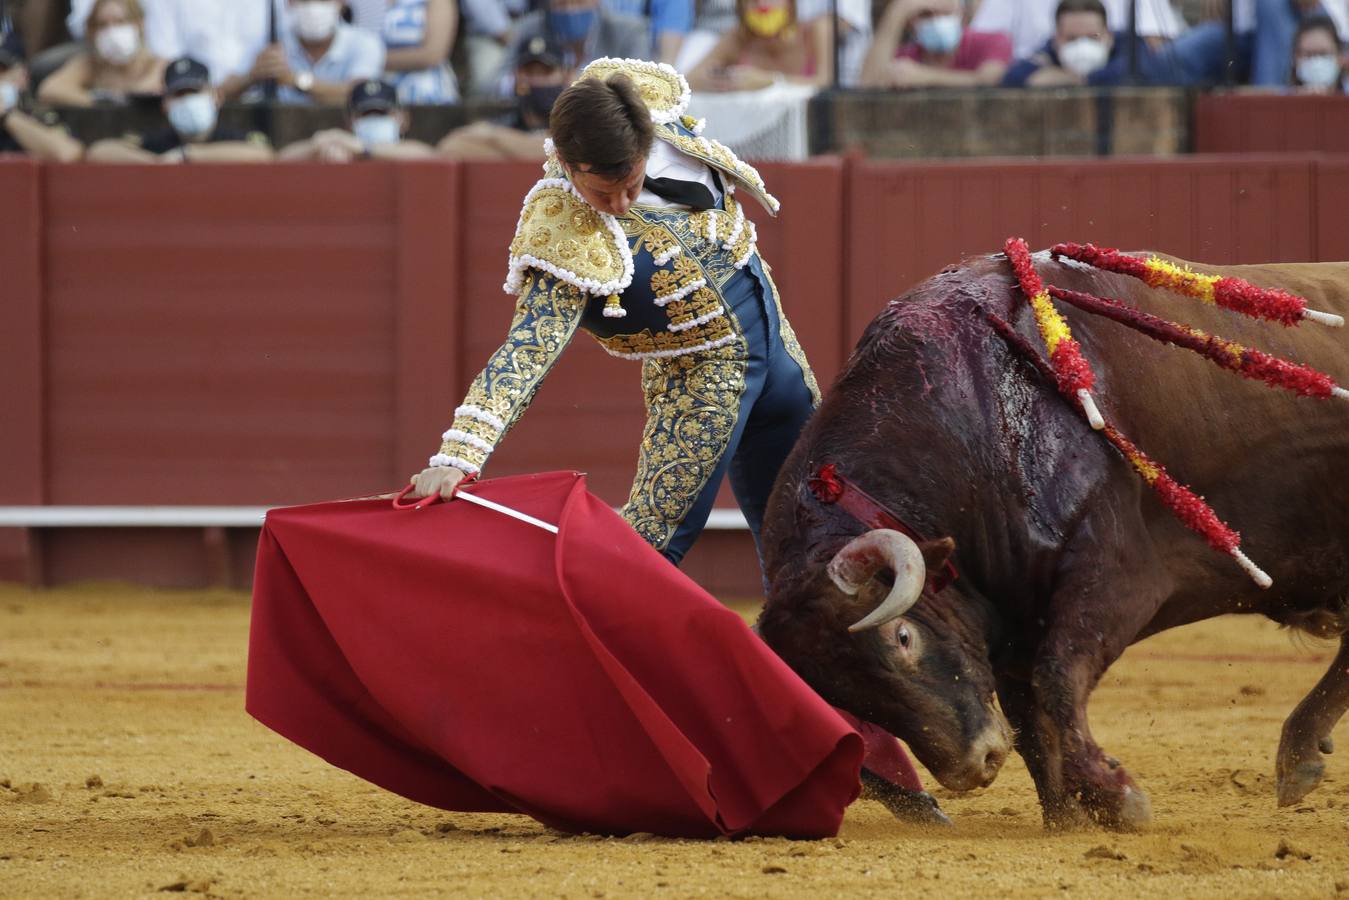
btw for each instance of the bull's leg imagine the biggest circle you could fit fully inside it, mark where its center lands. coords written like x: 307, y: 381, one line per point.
x: 1037, y: 742
x: 1097, y: 783
x: 915, y: 807
x: 1306, y: 734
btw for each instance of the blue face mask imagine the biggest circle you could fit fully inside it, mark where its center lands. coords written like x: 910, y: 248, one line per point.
x: 570, y: 26
x: 939, y: 34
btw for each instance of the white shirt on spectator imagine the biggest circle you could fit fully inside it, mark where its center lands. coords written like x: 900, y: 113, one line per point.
x: 667, y: 162
x: 1031, y: 22
x: 354, y: 55
x: 225, y: 35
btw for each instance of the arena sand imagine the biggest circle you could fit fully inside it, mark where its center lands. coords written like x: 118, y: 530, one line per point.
x: 130, y: 768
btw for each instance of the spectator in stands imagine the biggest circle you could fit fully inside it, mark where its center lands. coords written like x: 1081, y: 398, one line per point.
x: 487, y: 28
x: 1271, y: 28
x: 115, y: 63
x: 418, y: 35
x: 226, y: 35
x: 671, y: 21
x: 22, y: 133
x: 1318, y: 61
x: 584, y: 30
x: 1077, y: 54
x: 1031, y: 23
x: 318, y: 59
x: 715, y: 18
x: 194, y: 135
x: 539, y: 78
x: 766, y: 45
x: 924, y: 43
x: 376, y: 129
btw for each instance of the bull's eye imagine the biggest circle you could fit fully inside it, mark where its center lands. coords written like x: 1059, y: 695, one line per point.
x: 902, y: 635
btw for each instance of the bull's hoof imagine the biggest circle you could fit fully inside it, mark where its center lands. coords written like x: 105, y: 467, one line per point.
x: 1134, y: 812
x: 1297, y: 780
x: 912, y: 807
x: 916, y: 808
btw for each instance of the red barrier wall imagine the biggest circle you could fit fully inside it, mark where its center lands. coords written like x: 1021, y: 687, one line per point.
x: 240, y: 335
x: 1254, y: 123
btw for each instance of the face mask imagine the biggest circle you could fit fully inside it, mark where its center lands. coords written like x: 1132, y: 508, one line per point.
x: 940, y: 34
x: 539, y: 99
x: 1083, y: 55
x: 1318, y: 71
x: 192, y: 115
x: 117, y: 44
x: 767, y: 21
x: 315, y: 20
x: 570, y: 26
x: 9, y: 96
x: 372, y: 130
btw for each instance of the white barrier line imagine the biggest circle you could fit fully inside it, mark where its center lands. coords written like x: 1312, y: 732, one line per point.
x: 204, y: 517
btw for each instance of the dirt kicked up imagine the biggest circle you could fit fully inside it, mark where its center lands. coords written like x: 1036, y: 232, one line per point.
x: 128, y: 767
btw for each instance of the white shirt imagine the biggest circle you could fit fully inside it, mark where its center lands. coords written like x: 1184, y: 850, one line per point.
x: 667, y: 162
x: 225, y: 35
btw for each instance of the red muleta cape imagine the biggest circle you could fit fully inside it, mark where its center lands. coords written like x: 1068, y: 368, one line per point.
x: 472, y: 662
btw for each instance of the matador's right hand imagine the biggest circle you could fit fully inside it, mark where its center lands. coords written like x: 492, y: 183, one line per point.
x: 442, y: 480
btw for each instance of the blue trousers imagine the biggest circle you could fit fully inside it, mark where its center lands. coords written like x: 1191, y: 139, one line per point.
x: 734, y: 410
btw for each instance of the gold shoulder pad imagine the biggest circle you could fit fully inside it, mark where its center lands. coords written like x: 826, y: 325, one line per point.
x: 663, y: 89
x: 559, y: 233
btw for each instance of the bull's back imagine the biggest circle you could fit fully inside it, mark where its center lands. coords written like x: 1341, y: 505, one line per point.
x: 1272, y: 464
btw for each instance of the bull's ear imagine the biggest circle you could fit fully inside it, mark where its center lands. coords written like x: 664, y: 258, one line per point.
x: 937, y: 553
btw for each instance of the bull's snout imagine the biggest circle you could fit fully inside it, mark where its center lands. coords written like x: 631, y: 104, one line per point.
x: 986, y: 755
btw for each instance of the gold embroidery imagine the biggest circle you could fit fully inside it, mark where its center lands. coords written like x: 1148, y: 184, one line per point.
x: 683, y: 272
x: 668, y: 343
x: 662, y: 89
x: 546, y: 316
x: 657, y: 241
x: 692, y: 404
x: 565, y: 232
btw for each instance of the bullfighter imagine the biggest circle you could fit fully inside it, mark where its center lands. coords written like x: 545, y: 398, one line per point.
x: 636, y: 234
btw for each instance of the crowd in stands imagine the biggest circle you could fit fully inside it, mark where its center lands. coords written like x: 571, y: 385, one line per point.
x: 375, y: 58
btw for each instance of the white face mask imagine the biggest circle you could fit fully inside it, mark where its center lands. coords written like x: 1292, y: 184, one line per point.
x: 1084, y: 55
x: 1318, y: 71
x: 118, y: 43
x: 9, y: 96
x: 192, y: 115
x: 940, y: 34
x: 372, y: 130
x: 315, y: 20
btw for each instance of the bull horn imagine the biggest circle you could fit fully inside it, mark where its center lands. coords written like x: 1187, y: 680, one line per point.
x: 864, y: 556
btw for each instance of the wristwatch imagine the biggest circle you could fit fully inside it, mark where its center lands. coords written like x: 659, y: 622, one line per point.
x: 304, y: 81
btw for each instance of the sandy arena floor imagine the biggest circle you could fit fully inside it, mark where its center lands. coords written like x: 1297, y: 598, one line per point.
x: 128, y: 766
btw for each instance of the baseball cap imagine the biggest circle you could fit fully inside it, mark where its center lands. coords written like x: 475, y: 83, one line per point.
x: 185, y: 74
x: 372, y: 95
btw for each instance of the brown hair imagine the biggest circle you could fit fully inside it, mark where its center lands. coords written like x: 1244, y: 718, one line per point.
x: 603, y: 125
x: 133, y: 12
x: 1080, y: 6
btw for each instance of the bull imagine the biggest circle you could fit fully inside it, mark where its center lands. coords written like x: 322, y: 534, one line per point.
x: 1064, y: 556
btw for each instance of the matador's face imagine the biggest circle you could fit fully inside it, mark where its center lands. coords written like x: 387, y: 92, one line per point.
x: 607, y: 194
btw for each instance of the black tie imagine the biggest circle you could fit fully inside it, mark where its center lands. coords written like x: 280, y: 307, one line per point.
x: 686, y: 193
